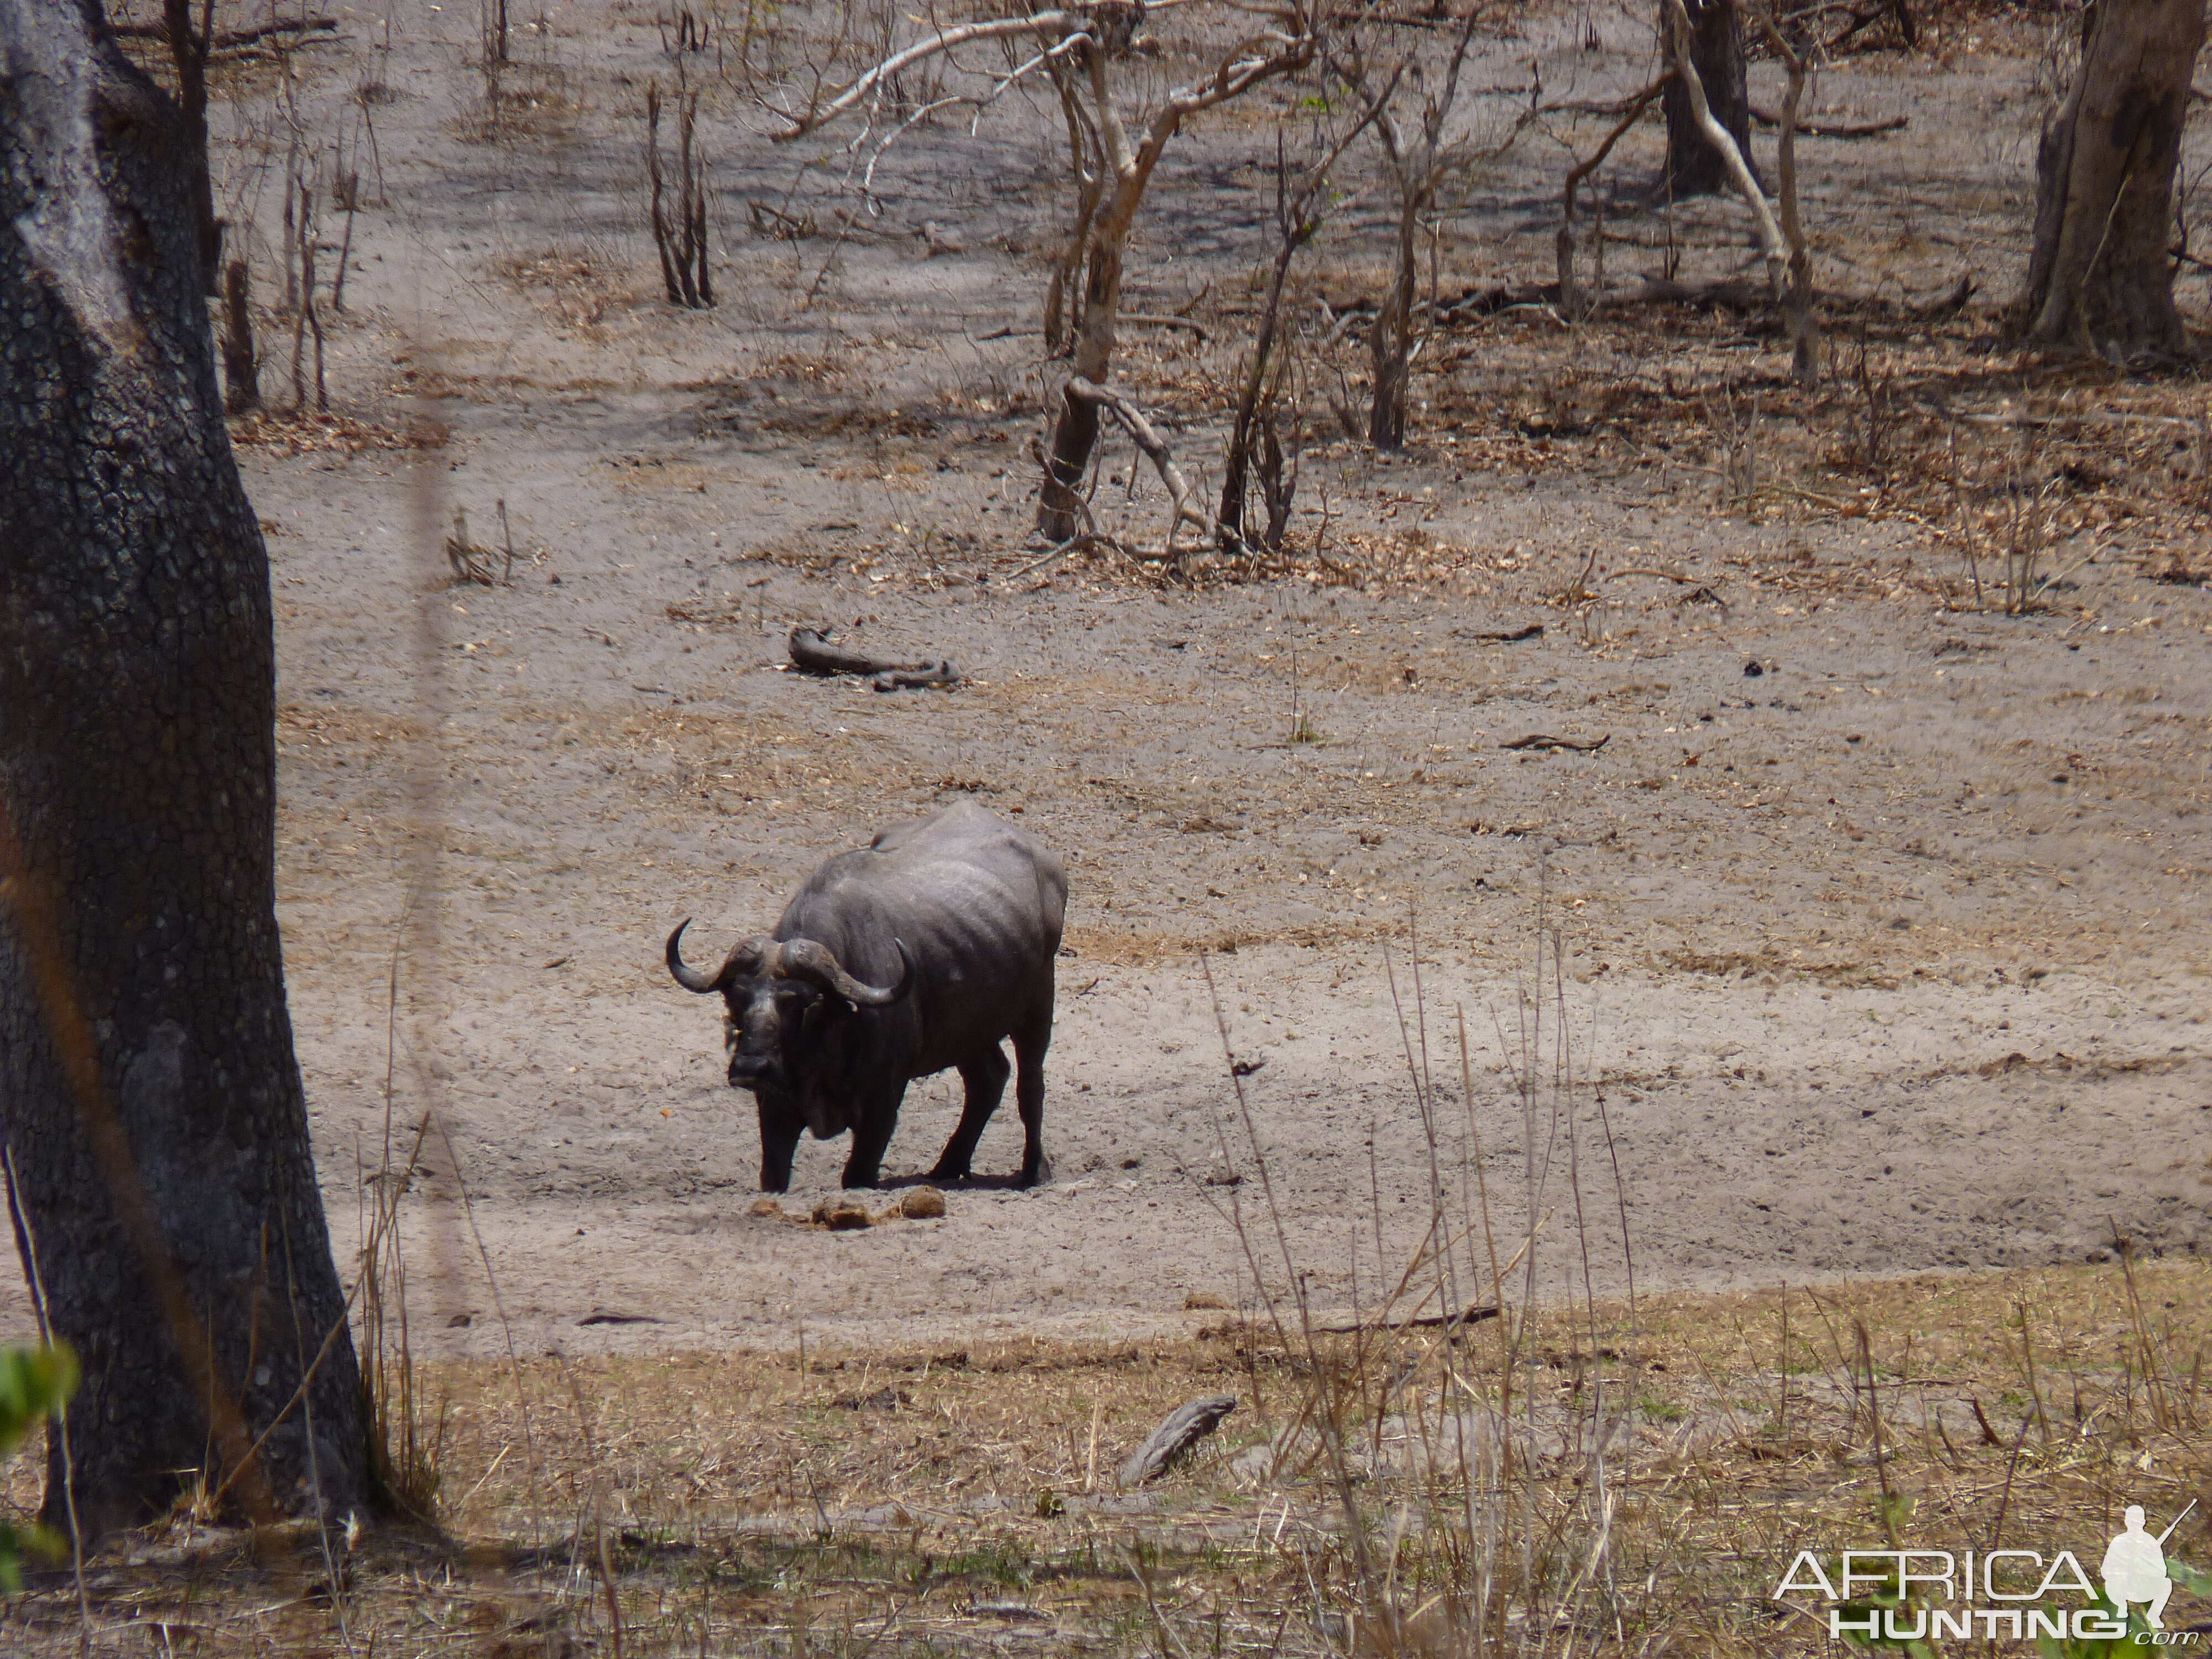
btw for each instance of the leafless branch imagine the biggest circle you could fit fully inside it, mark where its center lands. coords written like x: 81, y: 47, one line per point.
x: 1679, y: 37
x: 818, y: 115
x: 1631, y: 111
x: 1147, y: 438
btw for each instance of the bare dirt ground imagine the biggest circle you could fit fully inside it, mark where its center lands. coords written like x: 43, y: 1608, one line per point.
x: 1884, y: 911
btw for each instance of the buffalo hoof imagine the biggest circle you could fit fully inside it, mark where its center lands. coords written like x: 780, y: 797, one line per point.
x: 947, y: 1172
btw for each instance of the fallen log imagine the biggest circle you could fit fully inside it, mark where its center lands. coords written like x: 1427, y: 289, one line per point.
x: 1834, y: 128
x: 1733, y: 293
x: 1422, y: 1322
x: 1546, y: 740
x: 1186, y: 1426
x: 812, y: 654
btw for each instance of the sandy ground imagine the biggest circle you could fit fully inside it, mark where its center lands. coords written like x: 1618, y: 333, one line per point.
x: 1888, y: 955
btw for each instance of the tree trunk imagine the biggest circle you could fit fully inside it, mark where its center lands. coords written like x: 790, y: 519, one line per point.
x: 189, y: 48
x: 1694, y: 168
x: 149, y: 1097
x: 1076, y: 433
x: 2101, y: 274
x: 1391, y: 345
x: 241, y: 361
x: 1090, y: 184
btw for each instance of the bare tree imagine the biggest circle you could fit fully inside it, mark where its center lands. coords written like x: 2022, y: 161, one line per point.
x: 1629, y: 111
x: 1797, y: 298
x: 1413, y: 109
x: 1090, y: 43
x: 679, y: 234
x: 309, y: 317
x: 2100, y: 275
x: 1298, y: 219
x: 241, y: 360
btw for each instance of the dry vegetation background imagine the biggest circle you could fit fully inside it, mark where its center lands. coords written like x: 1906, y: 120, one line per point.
x: 1879, y: 969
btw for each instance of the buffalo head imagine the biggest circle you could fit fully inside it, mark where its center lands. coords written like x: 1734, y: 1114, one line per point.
x: 779, y: 994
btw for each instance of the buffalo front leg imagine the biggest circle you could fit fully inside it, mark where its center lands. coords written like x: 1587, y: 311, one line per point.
x: 779, y: 1128
x: 1029, y: 1044
x: 871, y: 1138
x: 985, y: 1072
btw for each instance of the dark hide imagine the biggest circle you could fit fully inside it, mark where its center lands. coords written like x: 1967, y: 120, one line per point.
x: 946, y: 931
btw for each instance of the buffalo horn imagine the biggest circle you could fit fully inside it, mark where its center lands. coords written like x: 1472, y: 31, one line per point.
x: 743, y: 958
x: 686, y: 976
x: 810, y: 959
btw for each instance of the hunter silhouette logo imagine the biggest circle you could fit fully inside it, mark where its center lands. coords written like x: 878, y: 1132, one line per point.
x: 2135, y: 1567
x: 1896, y: 1597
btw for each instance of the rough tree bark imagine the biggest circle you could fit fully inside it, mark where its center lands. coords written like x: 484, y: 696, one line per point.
x: 1694, y: 168
x: 2101, y: 274
x: 149, y: 1097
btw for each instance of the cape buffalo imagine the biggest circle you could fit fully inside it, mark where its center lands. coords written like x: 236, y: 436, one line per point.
x: 918, y: 952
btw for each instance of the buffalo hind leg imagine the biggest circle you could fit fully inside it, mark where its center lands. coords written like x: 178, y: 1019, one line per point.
x: 1029, y: 1044
x: 984, y: 1073
x: 871, y: 1138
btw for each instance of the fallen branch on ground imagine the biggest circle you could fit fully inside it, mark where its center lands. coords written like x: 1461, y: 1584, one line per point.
x: 1146, y: 320
x: 1186, y: 1426
x: 1733, y: 293
x: 1546, y: 740
x: 774, y: 222
x: 813, y: 653
x: 1834, y: 128
x: 1141, y: 319
x: 1424, y: 1321
x: 471, y: 561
